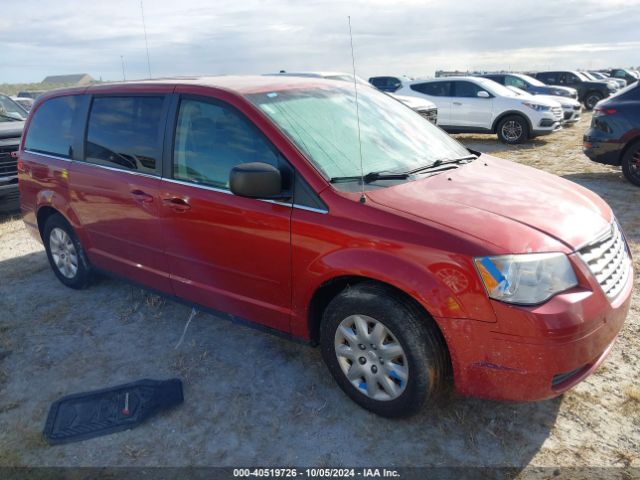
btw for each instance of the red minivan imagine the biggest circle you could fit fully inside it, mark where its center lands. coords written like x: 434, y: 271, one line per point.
x: 409, y: 259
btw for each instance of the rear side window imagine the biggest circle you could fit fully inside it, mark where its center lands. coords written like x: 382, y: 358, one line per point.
x: 125, y: 132
x: 211, y: 139
x: 50, y: 130
x: 436, y: 89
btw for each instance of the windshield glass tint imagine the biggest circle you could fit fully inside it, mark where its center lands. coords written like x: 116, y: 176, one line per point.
x: 321, y: 121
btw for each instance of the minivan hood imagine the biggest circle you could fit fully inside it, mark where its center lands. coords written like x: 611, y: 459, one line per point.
x: 500, y: 202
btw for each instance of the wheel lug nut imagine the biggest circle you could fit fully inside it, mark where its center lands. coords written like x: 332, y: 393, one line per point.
x: 362, y: 347
x: 374, y: 369
x: 381, y: 360
x: 362, y: 360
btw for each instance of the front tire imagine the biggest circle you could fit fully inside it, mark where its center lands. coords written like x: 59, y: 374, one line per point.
x: 65, y: 253
x: 513, y: 129
x: 631, y: 163
x: 591, y: 99
x: 382, y: 350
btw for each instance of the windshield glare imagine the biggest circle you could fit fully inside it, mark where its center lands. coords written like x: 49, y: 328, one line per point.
x: 321, y: 121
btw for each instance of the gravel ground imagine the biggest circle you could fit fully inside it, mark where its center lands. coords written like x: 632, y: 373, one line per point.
x: 253, y: 398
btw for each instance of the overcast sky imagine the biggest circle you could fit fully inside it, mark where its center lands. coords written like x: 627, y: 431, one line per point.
x: 40, y: 38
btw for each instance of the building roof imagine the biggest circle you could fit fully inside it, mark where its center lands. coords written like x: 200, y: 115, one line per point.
x: 77, y: 78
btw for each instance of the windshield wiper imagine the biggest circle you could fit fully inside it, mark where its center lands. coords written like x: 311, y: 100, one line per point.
x: 439, y: 163
x: 372, y: 177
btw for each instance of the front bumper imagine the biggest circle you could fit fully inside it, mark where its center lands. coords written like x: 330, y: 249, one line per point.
x: 534, y: 353
x: 571, y: 115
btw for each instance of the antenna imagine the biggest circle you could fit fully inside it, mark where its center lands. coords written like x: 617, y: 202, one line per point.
x: 144, y: 27
x: 363, y: 199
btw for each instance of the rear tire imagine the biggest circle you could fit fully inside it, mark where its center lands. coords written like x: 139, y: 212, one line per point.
x: 383, y: 351
x: 65, y: 253
x: 513, y: 129
x: 591, y: 99
x: 631, y: 163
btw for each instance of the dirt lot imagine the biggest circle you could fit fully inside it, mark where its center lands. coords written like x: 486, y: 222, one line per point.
x: 253, y: 398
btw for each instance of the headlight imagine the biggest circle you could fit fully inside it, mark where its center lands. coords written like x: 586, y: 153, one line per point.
x: 536, y: 106
x: 526, y: 279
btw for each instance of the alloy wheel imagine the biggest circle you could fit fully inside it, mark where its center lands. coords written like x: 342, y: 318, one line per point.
x: 371, y: 357
x: 64, y: 253
x: 512, y: 130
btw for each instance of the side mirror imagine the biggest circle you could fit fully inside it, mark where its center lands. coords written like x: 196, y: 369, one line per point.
x: 483, y: 94
x: 255, y: 180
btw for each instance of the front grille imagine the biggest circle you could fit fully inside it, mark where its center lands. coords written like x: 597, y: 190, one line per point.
x: 608, y: 260
x: 431, y: 115
x: 8, y: 165
x: 557, y: 112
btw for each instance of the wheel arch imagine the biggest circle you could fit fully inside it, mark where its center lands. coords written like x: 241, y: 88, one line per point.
x: 496, y: 122
x: 328, y: 290
x: 49, y: 203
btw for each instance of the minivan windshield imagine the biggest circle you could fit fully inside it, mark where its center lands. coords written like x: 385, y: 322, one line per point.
x: 321, y: 121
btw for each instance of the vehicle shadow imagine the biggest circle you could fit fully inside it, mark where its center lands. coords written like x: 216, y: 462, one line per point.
x: 249, y: 396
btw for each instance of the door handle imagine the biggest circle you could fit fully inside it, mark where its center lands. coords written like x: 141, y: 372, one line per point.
x: 177, y: 204
x: 457, y: 103
x: 142, y: 197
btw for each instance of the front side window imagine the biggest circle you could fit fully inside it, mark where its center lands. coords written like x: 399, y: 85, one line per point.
x: 211, y: 139
x: 321, y: 121
x: 467, y: 89
x: 50, y: 130
x: 125, y: 132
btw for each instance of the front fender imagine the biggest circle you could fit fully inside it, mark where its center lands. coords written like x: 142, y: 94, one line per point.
x: 446, y: 285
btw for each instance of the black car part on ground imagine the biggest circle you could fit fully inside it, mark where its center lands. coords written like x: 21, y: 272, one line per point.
x: 101, y: 412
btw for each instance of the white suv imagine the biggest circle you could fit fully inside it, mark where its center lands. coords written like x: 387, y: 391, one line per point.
x: 479, y: 105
